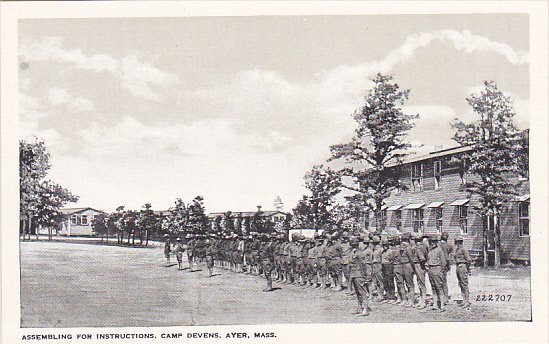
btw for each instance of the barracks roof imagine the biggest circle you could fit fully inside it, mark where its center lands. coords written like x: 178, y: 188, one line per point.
x: 69, y: 211
x: 247, y: 213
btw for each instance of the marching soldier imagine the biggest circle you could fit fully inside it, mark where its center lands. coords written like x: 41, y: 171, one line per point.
x: 407, y: 261
x: 361, y: 276
x: 463, y: 269
x: 345, y: 261
x: 418, y: 252
x: 266, y: 255
x: 179, y: 249
x: 167, y: 249
x: 190, y: 251
x: 377, y: 268
x: 448, y: 250
x: 436, y: 261
x: 387, y: 270
x: 333, y: 260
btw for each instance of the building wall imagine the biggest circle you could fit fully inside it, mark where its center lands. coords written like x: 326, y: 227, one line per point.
x: 451, y: 189
x: 72, y: 229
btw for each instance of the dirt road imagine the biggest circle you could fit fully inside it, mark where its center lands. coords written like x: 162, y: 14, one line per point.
x: 80, y: 285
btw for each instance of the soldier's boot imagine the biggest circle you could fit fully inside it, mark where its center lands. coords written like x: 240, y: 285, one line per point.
x: 411, y: 298
x: 349, y: 287
x: 337, y: 283
x: 269, y: 284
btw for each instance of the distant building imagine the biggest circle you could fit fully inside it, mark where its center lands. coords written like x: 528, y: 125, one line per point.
x: 78, y: 221
x: 275, y: 216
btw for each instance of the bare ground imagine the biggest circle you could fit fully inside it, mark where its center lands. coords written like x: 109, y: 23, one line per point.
x: 66, y: 284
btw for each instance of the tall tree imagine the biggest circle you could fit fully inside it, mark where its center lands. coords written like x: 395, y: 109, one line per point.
x: 146, y: 221
x: 178, y: 217
x: 40, y: 199
x: 497, y: 156
x: 198, y: 220
x: 313, y: 211
x: 378, y: 144
x: 100, y: 225
x: 227, y: 223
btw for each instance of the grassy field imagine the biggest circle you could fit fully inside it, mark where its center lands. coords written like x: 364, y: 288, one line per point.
x: 67, y: 284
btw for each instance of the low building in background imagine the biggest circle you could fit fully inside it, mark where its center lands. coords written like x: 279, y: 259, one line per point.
x: 78, y: 221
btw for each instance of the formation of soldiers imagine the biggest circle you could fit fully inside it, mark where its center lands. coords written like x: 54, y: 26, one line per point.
x: 371, y: 267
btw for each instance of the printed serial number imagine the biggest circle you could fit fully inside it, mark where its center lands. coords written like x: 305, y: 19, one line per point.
x: 491, y: 297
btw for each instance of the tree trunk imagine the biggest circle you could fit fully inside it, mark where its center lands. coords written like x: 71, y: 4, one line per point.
x: 497, y: 242
x: 49, y: 233
x: 29, y: 227
x: 146, y: 237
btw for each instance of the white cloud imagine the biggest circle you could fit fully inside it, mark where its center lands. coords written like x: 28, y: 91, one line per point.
x: 138, y: 77
x: 61, y: 97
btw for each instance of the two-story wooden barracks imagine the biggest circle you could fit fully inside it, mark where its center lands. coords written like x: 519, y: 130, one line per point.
x: 436, y: 201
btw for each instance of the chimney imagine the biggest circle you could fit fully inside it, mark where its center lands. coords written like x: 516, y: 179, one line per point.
x: 258, y: 208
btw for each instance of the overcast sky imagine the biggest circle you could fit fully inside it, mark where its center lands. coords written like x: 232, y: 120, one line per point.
x: 238, y: 109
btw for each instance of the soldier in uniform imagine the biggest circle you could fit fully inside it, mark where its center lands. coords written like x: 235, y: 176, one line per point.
x: 266, y: 256
x: 345, y: 261
x: 321, y: 265
x: 387, y: 270
x: 418, y: 253
x: 407, y: 260
x: 448, y: 250
x: 190, y: 250
x: 361, y: 276
x: 377, y: 268
x: 311, y: 262
x: 398, y: 270
x: 167, y: 249
x: 179, y: 249
x: 333, y: 260
x: 463, y: 269
x: 303, y: 260
x: 436, y: 261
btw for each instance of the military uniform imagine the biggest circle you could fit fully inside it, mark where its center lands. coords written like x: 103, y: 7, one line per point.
x: 387, y: 270
x: 266, y: 256
x: 333, y: 259
x: 361, y: 275
x: 418, y: 253
x: 436, y: 261
x: 448, y: 250
x: 463, y: 263
x: 378, y: 269
x: 345, y: 261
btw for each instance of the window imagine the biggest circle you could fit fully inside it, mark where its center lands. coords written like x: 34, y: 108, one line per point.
x: 74, y: 220
x: 398, y: 188
x: 398, y: 220
x: 463, y: 219
x: 437, y: 168
x: 417, y: 177
x: 366, y: 220
x: 438, y: 218
x: 524, y: 218
x: 383, y: 218
x: 418, y: 220
x: 84, y: 220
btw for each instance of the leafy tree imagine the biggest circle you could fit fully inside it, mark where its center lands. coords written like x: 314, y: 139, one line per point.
x: 146, y: 221
x: 497, y: 154
x: 314, y: 211
x: 40, y: 199
x: 119, y: 223
x: 100, y: 225
x: 378, y: 144
x: 178, y: 217
x: 198, y: 220
x: 238, y: 226
x: 349, y: 215
x: 227, y: 223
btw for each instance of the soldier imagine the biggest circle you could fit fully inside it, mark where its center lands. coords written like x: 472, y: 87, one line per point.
x: 303, y: 260
x: 418, y: 252
x: 333, y: 260
x: 190, y: 251
x: 377, y: 268
x: 436, y: 261
x: 295, y: 250
x: 179, y: 249
x: 266, y: 256
x: 311, y: 262
x: 398, y: 270
x: 345, y: 261
x: 321, y: 266
x: 387, y: 270
x: 209, y: 254
x: 167, y: 249
x: 463, y: 270
x: 361, y: 275
x: 448, y: 250
x: 407, y: 260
